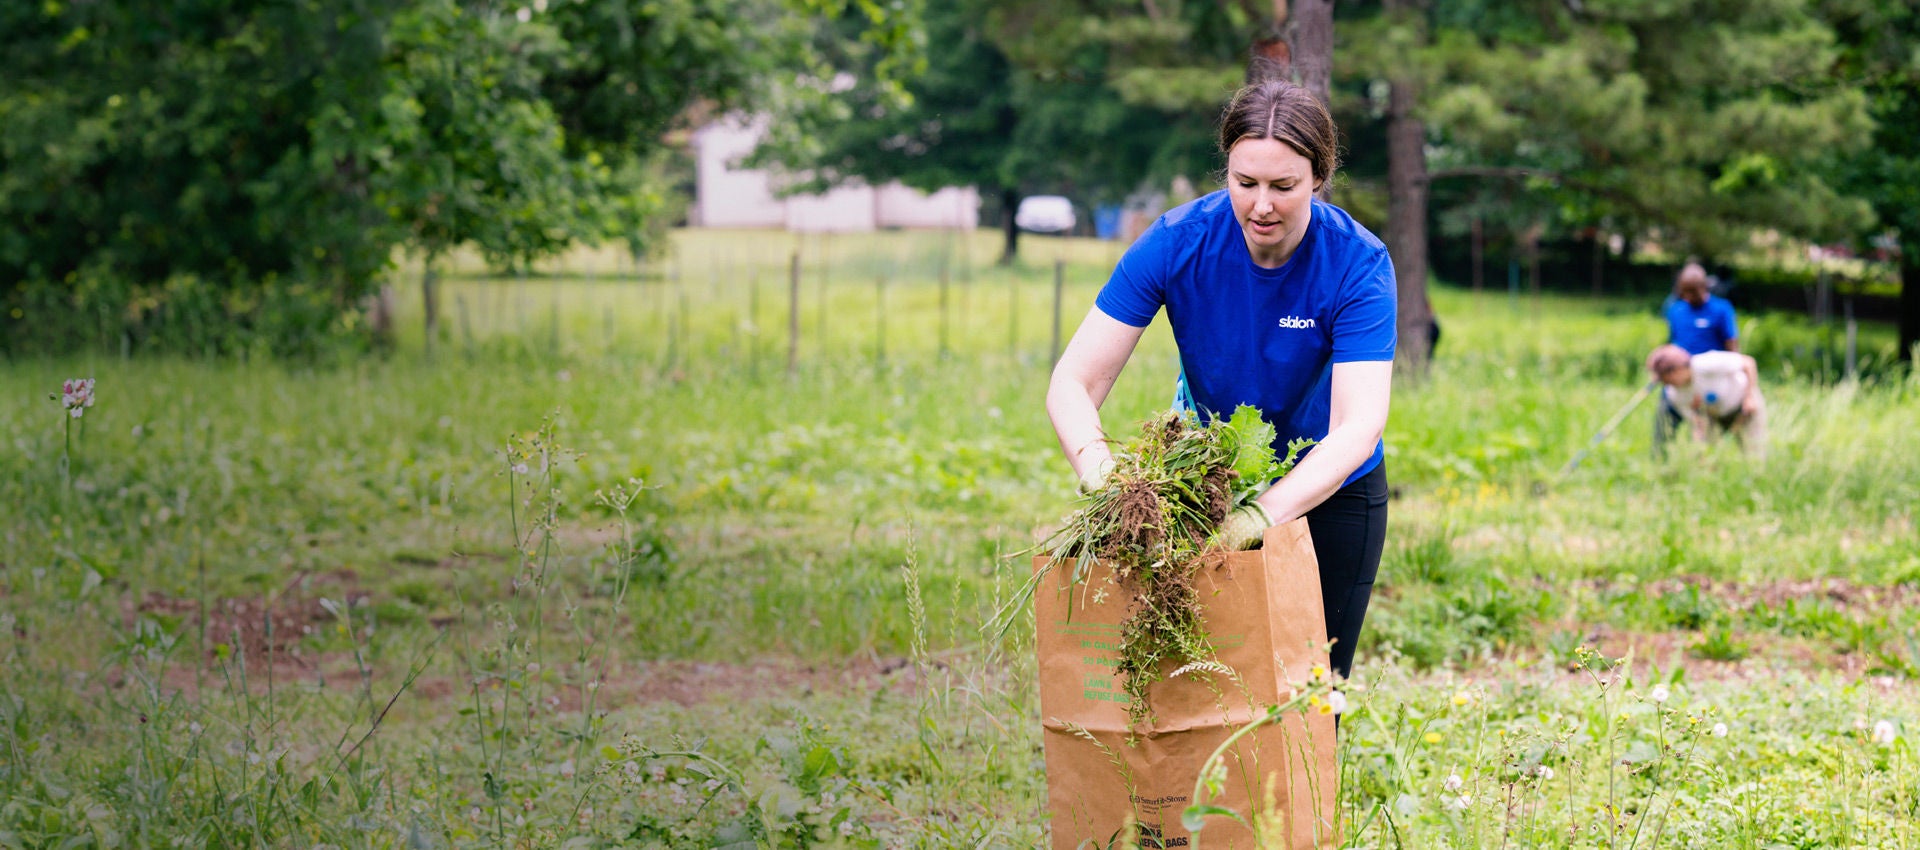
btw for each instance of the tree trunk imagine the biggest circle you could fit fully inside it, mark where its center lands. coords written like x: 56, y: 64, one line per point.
x: 1407, y: 218
x: 1271, y: 57
x: 1010, y: 203
x: 1298, y: 46
x: 1909, y: 302
x: 1312, y: 47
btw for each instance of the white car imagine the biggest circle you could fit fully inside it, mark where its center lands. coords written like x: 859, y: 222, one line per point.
x: 1045, y: 214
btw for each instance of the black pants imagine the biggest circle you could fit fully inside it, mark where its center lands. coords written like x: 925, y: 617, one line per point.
x: 1349, y: 530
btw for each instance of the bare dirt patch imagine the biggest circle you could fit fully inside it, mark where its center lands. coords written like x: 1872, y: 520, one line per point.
x: 257, y: 627
x: 1843, y: 593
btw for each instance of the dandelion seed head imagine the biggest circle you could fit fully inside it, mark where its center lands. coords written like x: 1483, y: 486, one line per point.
x: 1337, y: 701
x: 1454, y: 783
x: 1659, y: 693
x: 1719, y: 730
x: 1884, y: 733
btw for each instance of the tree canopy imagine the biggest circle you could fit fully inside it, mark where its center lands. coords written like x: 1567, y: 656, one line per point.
x: 159, y: 155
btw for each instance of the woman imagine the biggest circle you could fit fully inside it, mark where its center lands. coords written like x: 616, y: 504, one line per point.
x: 1277, y: 300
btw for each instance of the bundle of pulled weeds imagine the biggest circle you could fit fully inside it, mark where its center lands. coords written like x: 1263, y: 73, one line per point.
x: 1153, y: 520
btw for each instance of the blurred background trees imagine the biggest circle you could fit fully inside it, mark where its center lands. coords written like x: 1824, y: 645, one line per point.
x: 259, y: 165
x: 264, y: 164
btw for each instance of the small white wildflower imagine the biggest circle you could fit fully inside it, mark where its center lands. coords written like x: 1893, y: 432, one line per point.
x: 1659, y: 693
x: 1544, y: 772
x: 525, y: 14
x: 1883, y: 732
x: 1338, y: 701
x: 1719, y: 730
x: 1454, y: 782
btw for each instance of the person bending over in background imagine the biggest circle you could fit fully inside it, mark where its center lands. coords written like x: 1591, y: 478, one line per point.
x: 1716, y: 391
x: 1277, y: 300
x: 1698, y: 323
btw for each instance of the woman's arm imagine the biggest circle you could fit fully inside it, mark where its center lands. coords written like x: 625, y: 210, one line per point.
x: 1086, y: 372
x: 1357, y: 416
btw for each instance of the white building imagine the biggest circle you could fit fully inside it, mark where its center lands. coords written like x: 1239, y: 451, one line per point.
x: 729, y: 196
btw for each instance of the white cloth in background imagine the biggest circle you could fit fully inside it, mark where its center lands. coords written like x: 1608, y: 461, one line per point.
x: 1719, y: 384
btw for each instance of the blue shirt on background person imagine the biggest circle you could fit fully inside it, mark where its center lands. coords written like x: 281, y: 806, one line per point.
x: 1697, y: 321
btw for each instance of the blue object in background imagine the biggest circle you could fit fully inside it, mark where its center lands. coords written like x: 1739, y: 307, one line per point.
x: 1106, y: 221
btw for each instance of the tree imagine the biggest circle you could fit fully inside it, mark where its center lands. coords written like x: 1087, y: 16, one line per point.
x: 1298, y: 46
x: 1407, y: 193
x: 472, y: 151
x: 1633, y: 114
x: 154, y: 153
x: 1878, y: 39
x: 1093, y: 98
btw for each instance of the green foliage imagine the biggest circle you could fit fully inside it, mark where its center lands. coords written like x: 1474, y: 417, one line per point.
x: 1026, y: 99
x: 1618, y: 115
x: 259, y: 149
x: 1248, y: 439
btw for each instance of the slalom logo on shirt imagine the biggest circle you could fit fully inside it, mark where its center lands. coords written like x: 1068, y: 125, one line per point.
x: 1295, y: 322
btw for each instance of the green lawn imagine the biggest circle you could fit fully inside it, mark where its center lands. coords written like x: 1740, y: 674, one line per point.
x: 598, y: 568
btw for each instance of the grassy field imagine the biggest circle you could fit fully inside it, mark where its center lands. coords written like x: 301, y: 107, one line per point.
x: 598, y: 567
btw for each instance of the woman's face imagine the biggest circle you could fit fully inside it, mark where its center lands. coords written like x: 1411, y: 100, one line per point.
x: 1272, y: 187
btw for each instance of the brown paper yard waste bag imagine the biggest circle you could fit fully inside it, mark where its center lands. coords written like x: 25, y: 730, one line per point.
x: 1263, y: 612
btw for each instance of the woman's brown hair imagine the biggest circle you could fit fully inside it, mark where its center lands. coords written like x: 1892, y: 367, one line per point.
x: 1280, y: 110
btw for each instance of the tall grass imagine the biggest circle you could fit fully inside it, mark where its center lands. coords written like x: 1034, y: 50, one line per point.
x: 291, y: 606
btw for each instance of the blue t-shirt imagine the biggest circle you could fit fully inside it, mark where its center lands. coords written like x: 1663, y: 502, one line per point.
x: 1700, y: 329
x: 1265, y: 337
